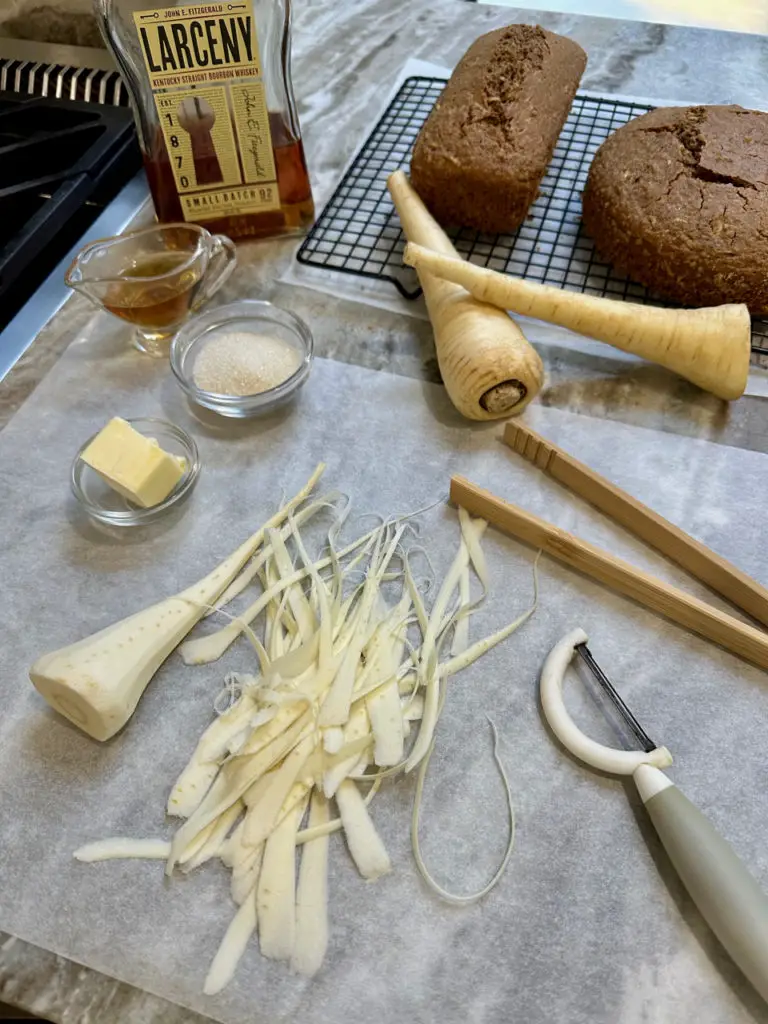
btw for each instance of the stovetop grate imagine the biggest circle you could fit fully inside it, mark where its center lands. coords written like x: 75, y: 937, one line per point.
x: 60, y: 163
x: 63, y: 82
x: 359, y: 233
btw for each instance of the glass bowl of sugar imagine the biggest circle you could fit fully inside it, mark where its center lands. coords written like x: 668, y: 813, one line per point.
x: 242, y: 359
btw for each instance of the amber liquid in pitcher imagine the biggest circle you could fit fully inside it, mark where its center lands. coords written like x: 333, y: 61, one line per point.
x: 143, y: 300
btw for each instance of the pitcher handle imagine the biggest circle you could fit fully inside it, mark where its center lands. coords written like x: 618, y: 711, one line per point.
x: 222, y: 258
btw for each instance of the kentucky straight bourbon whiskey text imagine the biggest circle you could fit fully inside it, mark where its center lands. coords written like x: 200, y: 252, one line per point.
x: 220, y: 137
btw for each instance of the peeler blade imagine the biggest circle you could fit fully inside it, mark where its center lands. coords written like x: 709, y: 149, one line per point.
x: 615, y: 698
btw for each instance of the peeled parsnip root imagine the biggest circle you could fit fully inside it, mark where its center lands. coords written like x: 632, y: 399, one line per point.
x: 488, y: 368
x: 709, y: 347
x: 96, y: 683
x: 348, y: 667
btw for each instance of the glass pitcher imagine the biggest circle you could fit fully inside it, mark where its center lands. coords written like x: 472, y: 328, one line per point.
x: 153, y: 278
x: 213, y: 101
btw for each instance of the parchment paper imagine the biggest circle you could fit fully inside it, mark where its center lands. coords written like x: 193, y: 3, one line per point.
x: 590, y: 925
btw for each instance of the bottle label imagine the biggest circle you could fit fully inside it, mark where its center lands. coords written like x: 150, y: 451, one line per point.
x: 205, y: 75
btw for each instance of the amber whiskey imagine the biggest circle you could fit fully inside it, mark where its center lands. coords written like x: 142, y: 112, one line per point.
x: 296, y: 210
x: 150, y: 294
x: 215, y: 112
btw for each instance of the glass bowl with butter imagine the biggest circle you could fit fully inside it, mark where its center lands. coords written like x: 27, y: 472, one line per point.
x: 134, y: 471
x: 242, y: 359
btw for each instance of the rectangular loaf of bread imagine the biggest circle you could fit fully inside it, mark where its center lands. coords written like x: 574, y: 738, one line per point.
x: 484, y: 148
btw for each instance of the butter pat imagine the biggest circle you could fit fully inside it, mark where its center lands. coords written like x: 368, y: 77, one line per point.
x: 133, y: 465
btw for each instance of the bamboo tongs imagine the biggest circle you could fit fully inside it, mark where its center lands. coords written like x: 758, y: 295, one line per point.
x: 724, y: 578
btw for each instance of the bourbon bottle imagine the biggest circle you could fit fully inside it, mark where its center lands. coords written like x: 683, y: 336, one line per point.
x: 215, y: 112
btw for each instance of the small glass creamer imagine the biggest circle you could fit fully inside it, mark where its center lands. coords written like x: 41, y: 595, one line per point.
x: 153, y: 278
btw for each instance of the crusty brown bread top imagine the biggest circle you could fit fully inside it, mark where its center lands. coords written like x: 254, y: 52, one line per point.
x: 485, y: 146
x: 678, y: 200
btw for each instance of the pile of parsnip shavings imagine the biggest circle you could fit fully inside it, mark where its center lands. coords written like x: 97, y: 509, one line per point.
x: 354, y: 652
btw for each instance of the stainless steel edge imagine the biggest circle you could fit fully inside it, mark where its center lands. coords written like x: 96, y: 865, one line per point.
x: 21, y: 332
x: 54, y: 53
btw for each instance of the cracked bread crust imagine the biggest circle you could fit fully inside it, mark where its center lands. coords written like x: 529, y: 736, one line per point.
x: 678, y: 200
x: 480, y: 156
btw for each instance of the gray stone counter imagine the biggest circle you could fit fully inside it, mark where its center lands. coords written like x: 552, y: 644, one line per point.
x: 346, y: 57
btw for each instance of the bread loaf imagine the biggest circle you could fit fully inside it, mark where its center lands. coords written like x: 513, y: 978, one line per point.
x: 678, y: 200
x: 484, y: 148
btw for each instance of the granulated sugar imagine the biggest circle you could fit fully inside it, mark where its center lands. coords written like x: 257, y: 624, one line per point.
x: 242, y: 363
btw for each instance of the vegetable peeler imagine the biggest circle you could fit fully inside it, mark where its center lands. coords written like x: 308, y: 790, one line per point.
x: 727, y: 895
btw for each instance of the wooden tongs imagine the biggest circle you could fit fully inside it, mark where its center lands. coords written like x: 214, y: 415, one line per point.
x: 724, y: 578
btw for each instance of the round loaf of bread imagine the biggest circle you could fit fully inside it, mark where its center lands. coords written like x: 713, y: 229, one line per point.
x: 678, y: 200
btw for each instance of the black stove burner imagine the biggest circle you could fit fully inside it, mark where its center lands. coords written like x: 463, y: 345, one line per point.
x: 61, y: 163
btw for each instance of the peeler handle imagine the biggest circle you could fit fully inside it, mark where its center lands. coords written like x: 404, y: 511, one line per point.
x: 730, y: 900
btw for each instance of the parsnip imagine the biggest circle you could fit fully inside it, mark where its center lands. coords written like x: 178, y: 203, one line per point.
x: 352, y: 756
x: 196, y: 841
x: 386, y: 718
x: 96, y: 683
x: 245, y: 861
x: 488, y: 368
x: 255, y: 768
x: 709, y: 347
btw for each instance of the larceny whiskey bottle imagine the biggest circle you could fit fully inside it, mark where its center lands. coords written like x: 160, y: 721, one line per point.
x: 213, y: 101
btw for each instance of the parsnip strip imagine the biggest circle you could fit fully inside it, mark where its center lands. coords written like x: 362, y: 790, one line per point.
x: 312, y: 894
x: 211, y: 647
x: 233, y: 945
x: 345, y: 670
x: 262, y: 556
x: 358, y: 727
x: 218, y: 834
x: 265, y: 813
x: 195, y: 781
x: 449, y: 897
x: 461, y: 632
x: 276, y: 891
x: 121, y: 848
x: 363, y: 840
x: 245, y: 874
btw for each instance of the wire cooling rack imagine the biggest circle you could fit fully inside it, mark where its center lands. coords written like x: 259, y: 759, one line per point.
x: 359, y: 232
